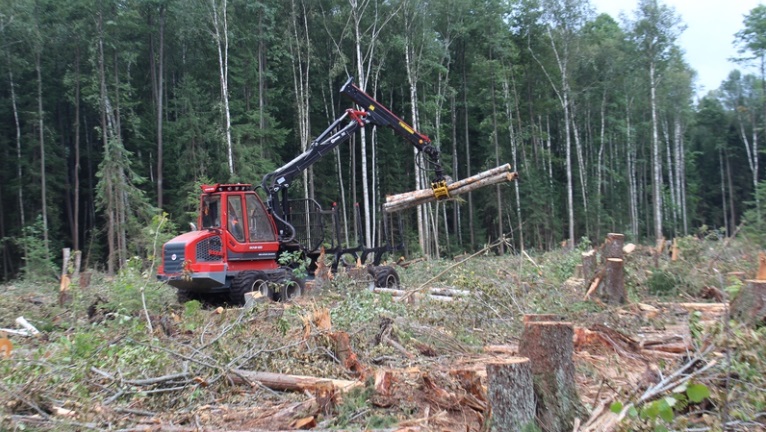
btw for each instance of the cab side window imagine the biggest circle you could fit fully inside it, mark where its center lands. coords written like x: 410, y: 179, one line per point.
x: 210, y: 205
x: 258, y: 221
x: 235, y: 223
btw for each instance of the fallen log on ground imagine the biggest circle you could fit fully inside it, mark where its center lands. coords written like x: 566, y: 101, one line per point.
x: 277, y: 381
x: 407, y: 200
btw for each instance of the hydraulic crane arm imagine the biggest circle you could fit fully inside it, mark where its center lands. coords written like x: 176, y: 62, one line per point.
x: 340, y: 131
x: 379, y: 115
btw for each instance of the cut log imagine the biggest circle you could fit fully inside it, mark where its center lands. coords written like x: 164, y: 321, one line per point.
x: 277, y: 381
x: 65, y: 280
x: 411, y: 199
x: 31, y: 330
x: 588, y: 265
x: 674, y: 251
x: 613, y: 288
x: 750, y: 304
x: 761, y: 275
x: 549, y: 346
x: 511, y: 394
x: 613, y: 246
x: 594, y: 284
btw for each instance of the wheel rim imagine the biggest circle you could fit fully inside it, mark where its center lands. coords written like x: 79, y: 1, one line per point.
x: 262, y: 287
x: 390, y: 281
x: 290, y: 290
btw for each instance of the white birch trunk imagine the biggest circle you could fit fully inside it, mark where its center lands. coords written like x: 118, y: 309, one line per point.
x: 221, y: 36
x: 656, y: 162
x: 300, y: 49
x: 514, y: 151
x: 19, y: 172
x: 599, y: 165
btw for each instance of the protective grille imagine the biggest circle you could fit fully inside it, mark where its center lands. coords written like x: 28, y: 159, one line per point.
x: 210, y: 249
x: 306, y: 218
x: 173, y: 257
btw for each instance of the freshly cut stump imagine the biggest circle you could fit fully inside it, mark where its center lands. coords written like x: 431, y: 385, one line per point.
x: 589, y: 265
x: 528, y: 318
x: 750, y: 305
x: 549, y: 347
x: 613, y: 288
x: 613, y: 246
x: 511, y: 395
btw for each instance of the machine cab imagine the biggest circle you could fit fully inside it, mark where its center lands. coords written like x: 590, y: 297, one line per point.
x: 238, y: 211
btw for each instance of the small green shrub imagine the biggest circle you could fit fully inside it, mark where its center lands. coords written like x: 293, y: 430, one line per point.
x: 662, y: 283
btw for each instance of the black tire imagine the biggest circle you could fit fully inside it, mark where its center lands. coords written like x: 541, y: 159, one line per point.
x: 386, y: 277
x: 250, y: 281
x: 184, y: 296
x: 291, y: 289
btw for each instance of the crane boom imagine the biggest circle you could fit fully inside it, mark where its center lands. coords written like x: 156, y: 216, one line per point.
x: 371, y: 112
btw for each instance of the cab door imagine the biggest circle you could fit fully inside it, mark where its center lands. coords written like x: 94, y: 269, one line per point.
x: 252, y: 231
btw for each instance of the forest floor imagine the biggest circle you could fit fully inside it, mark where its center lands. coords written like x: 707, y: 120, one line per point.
x: 415, y: 365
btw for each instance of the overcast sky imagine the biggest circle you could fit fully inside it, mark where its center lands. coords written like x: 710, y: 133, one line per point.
x: 709, y: 36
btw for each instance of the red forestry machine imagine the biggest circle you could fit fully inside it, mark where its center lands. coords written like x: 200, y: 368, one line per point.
x: 240, y: 239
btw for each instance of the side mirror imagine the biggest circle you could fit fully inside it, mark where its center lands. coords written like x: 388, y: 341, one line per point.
x: 193, y: 226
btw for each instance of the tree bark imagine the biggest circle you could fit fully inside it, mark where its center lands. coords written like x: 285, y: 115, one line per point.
x: 277, y: 381
x: 511, y: 394
x: 221, y: 36
x: 613, y: 246
x: 750, y: 304
x: 588, y: 265
x: 656, y: 162
x: 160, y: 85
x: 613, y: 289
x: 41, y: 136
x: 549, y: 346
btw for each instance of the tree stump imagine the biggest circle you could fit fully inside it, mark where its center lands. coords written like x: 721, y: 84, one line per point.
x: 613, y: 288
x: 511, y: 394
x: 613, y: 246
x: 750, y: 305
x: 589, y: 265
x: 549, y: 347
x: 530, y: 318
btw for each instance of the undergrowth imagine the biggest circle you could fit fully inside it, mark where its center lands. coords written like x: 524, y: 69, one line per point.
x: 97, y: 349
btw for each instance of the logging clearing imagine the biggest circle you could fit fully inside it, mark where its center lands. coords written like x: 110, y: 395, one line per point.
x: 476, y: 343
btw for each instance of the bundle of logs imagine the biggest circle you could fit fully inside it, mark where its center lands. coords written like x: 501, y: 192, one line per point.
x: 501, y: 174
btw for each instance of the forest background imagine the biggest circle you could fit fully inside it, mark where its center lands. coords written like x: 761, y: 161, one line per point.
x: 112, y: 113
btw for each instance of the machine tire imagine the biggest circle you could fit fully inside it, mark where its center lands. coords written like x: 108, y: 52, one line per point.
x: 184, y: 296
x: 249, y: 281
x: 292, y: 288
x: 386, y: 277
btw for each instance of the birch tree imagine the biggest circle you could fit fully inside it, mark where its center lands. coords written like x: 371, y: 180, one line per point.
x: 654, y: 31
x: 220, y: 21
x: 564, y: 19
